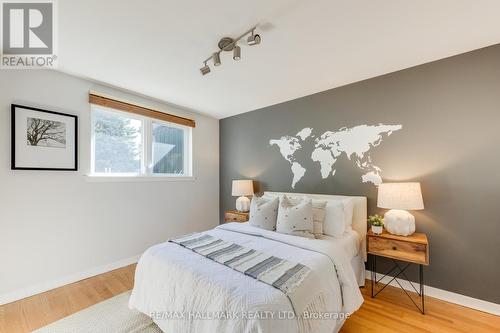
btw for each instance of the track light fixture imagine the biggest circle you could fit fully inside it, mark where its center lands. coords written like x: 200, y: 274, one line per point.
x: 205, y: 69
x: 237, y: 53
x: 229, y: 44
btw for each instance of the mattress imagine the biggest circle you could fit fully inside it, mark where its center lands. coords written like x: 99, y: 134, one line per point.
x: 349, y: 242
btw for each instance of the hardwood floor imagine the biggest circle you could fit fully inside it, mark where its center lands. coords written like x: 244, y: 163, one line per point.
x: 34, y: 312
x: 390, y: 312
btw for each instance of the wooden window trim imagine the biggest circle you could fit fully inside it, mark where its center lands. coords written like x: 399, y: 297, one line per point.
x: 139, y: 110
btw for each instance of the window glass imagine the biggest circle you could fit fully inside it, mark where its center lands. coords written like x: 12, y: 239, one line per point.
x: 134, y: 145
x: 117, y: 143
x: 168, y: 149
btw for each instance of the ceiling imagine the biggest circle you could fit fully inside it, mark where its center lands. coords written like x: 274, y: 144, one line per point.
x: 156, y: 47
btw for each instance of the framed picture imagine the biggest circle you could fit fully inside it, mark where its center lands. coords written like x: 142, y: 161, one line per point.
x: 43, y: 140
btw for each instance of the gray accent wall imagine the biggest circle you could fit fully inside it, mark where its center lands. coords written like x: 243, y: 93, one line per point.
x: 450, y: 113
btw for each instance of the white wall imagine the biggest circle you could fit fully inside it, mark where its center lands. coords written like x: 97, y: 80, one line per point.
x: 57, y: 224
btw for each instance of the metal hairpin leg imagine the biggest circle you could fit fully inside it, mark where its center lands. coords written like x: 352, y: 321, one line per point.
x: 401, y: 271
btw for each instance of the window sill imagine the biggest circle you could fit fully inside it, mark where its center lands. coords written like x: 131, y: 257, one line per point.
x: 136, y: 179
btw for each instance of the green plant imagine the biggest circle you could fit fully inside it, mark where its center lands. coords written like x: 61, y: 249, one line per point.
x: 376, y: 220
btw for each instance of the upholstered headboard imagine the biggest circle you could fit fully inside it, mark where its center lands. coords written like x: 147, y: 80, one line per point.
x: 358, y: 219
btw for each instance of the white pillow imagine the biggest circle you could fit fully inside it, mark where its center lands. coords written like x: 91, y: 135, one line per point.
x: 338, y: 217
x: 263, y: 212
x: 295, y: 217
x: 334, y: 224
x: 349, y: 212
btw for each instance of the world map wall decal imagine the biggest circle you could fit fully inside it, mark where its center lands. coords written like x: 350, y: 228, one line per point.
x: 353, y: 143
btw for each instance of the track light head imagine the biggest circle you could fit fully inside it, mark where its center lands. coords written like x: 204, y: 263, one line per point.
x: 253, y: 39
x: 216, y: 58
x: 205, y: 69
x: 236, y: 53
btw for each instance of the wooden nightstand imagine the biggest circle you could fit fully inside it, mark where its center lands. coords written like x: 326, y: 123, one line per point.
x: 413, y: 249
x: 236, y: 216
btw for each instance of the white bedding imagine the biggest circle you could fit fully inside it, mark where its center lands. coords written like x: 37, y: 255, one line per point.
x: 349, y: 242
x: 186, y: 292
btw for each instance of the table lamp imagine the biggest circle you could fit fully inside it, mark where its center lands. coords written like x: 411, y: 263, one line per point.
x: 242, y: 188
x: 400, y: 197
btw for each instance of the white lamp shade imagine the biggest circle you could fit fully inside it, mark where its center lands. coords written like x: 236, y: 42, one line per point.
x: 403, y: 196
x: 242, y: 187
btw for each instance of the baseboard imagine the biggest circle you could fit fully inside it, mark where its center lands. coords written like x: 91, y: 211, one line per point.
x: 45, y: 286
x: 447, y: 296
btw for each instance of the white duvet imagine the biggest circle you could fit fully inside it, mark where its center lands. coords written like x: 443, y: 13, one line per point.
x: 185, y: 292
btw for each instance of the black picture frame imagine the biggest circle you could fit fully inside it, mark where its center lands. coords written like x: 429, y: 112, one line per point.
x: 13, y: 165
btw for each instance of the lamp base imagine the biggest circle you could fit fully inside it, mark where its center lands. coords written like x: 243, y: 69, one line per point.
x: 399, y: 222
x: 243, y: 204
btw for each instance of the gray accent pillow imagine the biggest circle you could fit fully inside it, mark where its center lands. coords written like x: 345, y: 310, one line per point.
x: 263, y: 212
x: 295, y: 217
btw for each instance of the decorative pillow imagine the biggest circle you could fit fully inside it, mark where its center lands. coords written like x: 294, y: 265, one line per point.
x: 263, y: 212
x: 319, y: 213
x: 295, y: 217
x: 338, y: 217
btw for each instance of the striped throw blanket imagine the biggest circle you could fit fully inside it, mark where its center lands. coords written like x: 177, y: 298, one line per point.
x: 279, y: 273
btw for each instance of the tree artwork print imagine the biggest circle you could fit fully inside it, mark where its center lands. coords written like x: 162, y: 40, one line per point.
x: 46, y: 133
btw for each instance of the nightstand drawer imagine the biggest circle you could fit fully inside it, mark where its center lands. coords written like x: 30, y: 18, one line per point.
x: 399, y: 249
x: 235, y: 216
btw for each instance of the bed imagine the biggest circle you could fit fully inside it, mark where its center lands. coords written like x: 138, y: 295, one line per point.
x: 183, y: 291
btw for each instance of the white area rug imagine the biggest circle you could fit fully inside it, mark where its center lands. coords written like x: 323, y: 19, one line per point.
x: 110, y: 316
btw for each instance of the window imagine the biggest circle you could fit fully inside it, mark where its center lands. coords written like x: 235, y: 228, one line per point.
x: 127, y: 144
x: 169, y: 149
